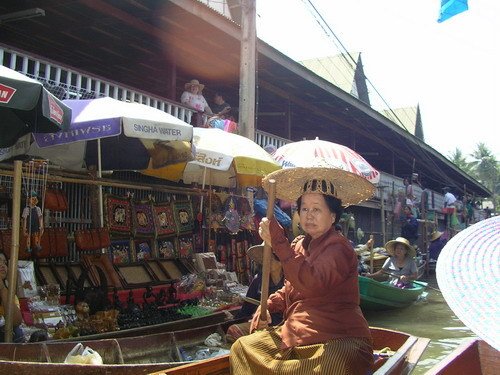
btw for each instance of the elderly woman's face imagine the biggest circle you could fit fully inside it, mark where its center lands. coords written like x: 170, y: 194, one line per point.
x: 194, y: 89
x: 400, y: 250
x: 315, y: 215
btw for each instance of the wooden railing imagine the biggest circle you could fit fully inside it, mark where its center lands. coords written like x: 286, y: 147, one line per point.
x: 69, y: 83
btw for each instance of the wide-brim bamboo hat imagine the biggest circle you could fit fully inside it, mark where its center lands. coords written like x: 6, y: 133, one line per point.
x: 194, y: 82
x: 467, y: 273
x: 391, y: 245
x: 435, y: 235
x: 348, y: 187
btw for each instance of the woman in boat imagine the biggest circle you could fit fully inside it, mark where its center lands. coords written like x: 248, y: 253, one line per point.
x: 400, y: 266
x: 324, y: 330
x: 17, y: 318
x: 276, y: 282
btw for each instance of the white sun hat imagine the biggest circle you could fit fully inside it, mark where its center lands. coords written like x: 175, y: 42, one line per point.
x: 468, y: 274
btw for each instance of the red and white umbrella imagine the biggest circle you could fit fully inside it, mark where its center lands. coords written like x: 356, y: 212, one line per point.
x: 318, y: 153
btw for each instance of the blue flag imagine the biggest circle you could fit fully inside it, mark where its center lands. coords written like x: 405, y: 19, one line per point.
x: 450, y: 8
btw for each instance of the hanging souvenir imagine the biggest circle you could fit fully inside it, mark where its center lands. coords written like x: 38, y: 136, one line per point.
x: 142, y: 219
x: 246, y: 214
x: 118, y: 215
x: 183, y: 215
x: 167, y: 248
x: 164, y: 219
x: 231, y: 216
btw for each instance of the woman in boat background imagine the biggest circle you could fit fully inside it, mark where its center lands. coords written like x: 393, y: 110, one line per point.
x: 400, y: 266
x: 17, y: 317
x: 324, y: 329
x: 276, y: 282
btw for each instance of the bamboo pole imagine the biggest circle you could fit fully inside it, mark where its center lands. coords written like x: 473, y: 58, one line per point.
x: 14, y: 250
x: 112, y: 183
x: 266, y: 261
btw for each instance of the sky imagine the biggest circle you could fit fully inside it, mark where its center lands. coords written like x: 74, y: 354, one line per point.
x: 451, y: 69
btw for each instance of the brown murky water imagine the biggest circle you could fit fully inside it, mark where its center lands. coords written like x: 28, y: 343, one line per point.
x: 431, y: 318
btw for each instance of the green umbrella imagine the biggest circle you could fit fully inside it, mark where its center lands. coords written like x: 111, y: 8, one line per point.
x: 26, y: 106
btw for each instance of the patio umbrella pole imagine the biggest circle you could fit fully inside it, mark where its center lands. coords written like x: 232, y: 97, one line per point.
x: 14, y: 251
x: 266, y: 259
x: 99, y: 190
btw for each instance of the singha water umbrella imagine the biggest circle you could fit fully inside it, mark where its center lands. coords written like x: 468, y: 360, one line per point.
x: 132, y: 136
x: 319, y: 153
x: 221, y: 159
x: 26, y: 106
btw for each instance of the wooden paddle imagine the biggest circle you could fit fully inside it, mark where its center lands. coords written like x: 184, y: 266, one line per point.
x: 266, y: 258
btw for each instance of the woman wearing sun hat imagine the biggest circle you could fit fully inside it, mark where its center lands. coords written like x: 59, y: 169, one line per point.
x: 323, y: 329
x: 193, y: 98
x: 400, y: 266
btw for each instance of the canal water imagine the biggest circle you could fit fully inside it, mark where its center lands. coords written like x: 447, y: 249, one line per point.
x: 431, y: 318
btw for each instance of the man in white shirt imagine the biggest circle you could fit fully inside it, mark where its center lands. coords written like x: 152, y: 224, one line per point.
x: 449, y: 205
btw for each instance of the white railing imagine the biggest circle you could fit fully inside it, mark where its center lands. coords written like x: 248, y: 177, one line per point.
x: 68, y: 83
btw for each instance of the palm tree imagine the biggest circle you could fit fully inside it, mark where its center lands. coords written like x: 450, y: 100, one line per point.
x: 486, y: 167
x: 458, y: 158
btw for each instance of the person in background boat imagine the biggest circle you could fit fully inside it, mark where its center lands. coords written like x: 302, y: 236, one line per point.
x: 400, y: 266
x: 323, y: 326
x: 362, y: 267
x: 276, y: 282
x: 17, y: 317
x: 436, y: 245
x: 409, y: 225
x: 193, y: 98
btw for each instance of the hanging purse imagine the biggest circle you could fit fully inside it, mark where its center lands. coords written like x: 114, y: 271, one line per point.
x: 55, y: 200
x: 92, y: 239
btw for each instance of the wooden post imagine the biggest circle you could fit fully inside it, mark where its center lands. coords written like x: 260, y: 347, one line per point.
x: 266, y: 258
x: 247, y: 69
x: 382, y: 212
x: 371, y: 253
x: 14, y: 249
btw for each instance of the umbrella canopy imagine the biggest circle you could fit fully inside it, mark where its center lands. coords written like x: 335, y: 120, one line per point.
x: 222, y: 159
x: 26, y: 106
x: 132, y: 136
x: 318, y: 153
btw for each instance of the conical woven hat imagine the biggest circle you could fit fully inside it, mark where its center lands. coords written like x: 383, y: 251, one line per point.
x: 348, y: 187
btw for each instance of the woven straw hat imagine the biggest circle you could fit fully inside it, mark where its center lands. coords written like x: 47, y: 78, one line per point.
x: 256, y: 253
x: 467, y: 273
x: 348, y: 187
x: 389, y: 246
x: 194, y: 82
x: 435, y: 235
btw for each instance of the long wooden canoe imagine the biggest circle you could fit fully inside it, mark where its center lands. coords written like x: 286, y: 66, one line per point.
x: 476, y: 357
x: 218, y: 317
x: 376, y: 295
x: 126, y: 355
x: 405, y: 352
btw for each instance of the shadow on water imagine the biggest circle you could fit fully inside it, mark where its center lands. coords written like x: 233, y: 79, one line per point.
x: 431, y: 318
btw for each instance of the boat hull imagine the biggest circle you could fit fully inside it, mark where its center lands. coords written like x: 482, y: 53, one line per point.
x: 404, y: 345
x: 377, y: 295
x: 476, y: 357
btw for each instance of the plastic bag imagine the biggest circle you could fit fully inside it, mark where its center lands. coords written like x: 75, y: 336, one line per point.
x: 83, y: 355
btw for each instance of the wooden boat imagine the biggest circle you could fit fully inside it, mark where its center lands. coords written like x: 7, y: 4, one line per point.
x: 376, y: 295
x: 126, y: 355
x: 476, y: 357
x: 407, y: 350
x: 217, y: 317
